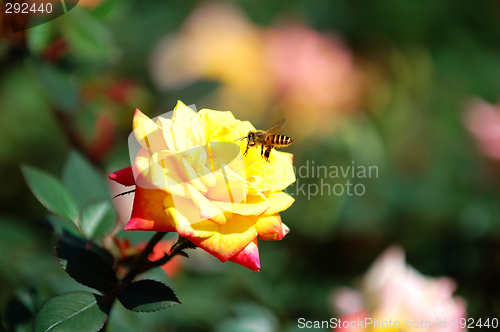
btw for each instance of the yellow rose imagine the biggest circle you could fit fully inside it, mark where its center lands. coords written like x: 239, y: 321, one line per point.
x: 191, y: 178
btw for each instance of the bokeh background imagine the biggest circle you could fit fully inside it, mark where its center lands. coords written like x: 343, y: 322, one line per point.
x: 410, y: 87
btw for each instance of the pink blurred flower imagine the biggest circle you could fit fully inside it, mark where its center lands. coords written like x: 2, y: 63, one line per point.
x: 483, y: 121
x: 391, y: 289
x: 311, y: 77
x: 314, y: 74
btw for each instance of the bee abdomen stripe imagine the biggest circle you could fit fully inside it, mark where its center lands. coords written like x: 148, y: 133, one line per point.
x: 279, y: 140
x: 284, y: 140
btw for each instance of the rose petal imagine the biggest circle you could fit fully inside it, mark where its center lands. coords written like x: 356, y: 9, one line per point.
x: 269, y: 225
x: 166, y: 127
x: 124, y: 176
x: 148, y: 134
x: 227, y: 188
x: 214, y: 120
x: 254, y: 206
x: 271, y: 228
x: 205, y: 208
x: 148, y: 211
x: 248, y: 257
x: 192, y: 226
x: 197, y: 136
x: 182, y: 114
x: 279, y: 201
x: 229, y: 239
x: 139, y: 224
x: 276, y: 175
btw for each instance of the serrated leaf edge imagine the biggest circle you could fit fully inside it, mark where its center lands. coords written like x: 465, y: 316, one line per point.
x: 143, y: 311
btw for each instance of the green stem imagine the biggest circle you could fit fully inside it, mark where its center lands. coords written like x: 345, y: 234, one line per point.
x: 142, y: 260
x: 142, y: 264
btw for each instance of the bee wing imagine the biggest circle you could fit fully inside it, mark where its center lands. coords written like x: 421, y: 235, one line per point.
x: 276, y: 128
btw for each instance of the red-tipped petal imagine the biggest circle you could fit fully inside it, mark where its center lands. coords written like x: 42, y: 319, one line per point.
x: 124, y: 176
x: 148, y: 213
x: 139, y: 224
x: 271, y: 228
x: 248, y: 257
x: 229, y: 238
x: 269, y: 225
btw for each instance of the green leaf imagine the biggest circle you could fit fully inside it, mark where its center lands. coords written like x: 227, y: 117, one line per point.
x: 39, y: 37
x: 147, y: 296
x: 96, y: 218
x: 60, y: 85
x: 73, y: 240
x: 87, y: 267
x: 59, y: 225
x: 83, y: 180
x: 88, y: 38
x: 97, y: 214
x: 104, y: 8
x: 50, y: 192
x: 75, y: 311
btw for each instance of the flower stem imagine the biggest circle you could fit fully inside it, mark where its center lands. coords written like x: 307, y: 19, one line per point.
x: 142, y: 260
x: 140, y: 265
x: 177, y: 249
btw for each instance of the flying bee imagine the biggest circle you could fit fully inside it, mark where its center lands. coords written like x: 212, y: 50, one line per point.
x: 268, y: 139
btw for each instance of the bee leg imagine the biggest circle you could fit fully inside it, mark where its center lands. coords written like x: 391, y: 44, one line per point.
x: 268, y: 153
x: 262, y: 150
x: 246, y: 151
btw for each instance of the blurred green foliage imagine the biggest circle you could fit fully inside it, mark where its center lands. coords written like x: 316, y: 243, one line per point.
x: 436, y: 195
